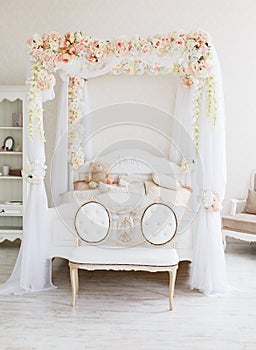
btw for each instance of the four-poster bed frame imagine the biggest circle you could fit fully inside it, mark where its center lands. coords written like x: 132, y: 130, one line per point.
x: 199, y: 109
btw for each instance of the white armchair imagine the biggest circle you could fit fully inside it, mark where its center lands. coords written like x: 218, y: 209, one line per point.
x: 239, y: 224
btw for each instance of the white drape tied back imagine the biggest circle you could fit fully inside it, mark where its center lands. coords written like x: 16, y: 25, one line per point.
x: 208, y: 272
x: 208, y: 267
x: 32, y: 271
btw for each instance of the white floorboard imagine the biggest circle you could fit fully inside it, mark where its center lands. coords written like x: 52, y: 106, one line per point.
x: 129, y: 310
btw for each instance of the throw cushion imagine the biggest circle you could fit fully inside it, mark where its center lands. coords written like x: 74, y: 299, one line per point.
x: 250, y: 206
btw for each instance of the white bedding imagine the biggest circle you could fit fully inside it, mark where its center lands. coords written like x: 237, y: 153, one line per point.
x: 83, y: 196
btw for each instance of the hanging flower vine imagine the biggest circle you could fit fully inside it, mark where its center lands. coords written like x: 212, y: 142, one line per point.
x: 196, y: 113
x: 75, y: 113
x: 188, y: 55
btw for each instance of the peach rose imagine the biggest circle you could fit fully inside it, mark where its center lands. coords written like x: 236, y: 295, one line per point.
x: 187, y: 82
x: 54, y: 36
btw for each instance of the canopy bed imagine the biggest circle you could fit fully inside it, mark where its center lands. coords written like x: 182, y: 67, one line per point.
x: 196, y: 151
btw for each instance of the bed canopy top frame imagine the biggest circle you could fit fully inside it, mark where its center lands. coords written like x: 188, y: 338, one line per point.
x: 199, y: 108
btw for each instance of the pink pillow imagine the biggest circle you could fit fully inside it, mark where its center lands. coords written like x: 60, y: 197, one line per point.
x: 182, y: 197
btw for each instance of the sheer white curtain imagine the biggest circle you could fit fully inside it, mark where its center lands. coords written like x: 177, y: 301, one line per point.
x: 182, y: 145
x: 61, y: 173
x: 59, y: 176
x: 32, y: 271
x: 208, y: 272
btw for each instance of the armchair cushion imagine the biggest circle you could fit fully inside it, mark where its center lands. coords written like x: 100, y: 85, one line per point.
x: 250, y: 205
x: 241, y: 223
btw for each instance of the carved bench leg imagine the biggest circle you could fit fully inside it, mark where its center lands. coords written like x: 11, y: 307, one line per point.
x: 172, y: 279
x: 77, y: 281
x: 73, y: 279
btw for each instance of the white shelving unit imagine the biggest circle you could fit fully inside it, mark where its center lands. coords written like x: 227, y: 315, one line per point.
x: 12, y: 188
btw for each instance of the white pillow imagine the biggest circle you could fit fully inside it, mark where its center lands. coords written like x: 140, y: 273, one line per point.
x: 166, y: 181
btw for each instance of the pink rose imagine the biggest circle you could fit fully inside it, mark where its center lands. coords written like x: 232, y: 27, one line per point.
x: 86, y: 41
x: 30, y: 42
x: 179, y: 42
x: 70, y: 37
x: 42, y: 85
x: 46, y: 57
x: 65, y: 57
x: 92, y: 58
x: 95, y: 43
x: 72, y: 50
x: 145, y: 49
x: 37, y: 53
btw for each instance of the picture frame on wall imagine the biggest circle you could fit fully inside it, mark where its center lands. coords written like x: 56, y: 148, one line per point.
x: 17, y: 119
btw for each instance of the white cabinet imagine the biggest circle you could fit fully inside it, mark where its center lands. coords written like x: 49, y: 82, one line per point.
x: 12, y: 185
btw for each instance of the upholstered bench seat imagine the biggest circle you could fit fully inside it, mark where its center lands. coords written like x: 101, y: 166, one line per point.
x: 98, y: 230
x: 138, y: 255
x: 241, y: 222
x: 138, y: 258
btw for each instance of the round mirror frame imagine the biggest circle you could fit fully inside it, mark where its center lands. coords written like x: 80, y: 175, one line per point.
x: 5, y: 147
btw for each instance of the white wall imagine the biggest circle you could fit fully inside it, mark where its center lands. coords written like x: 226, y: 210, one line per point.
x: 230, y: 23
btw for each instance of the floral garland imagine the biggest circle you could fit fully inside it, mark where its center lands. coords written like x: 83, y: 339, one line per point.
x: 192, y: 54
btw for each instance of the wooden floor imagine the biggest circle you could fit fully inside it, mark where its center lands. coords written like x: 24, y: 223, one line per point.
x: 129, y: 310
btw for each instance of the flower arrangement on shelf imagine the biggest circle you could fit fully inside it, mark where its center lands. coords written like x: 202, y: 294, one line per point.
x: 191, y: 58
x: 211, y: 201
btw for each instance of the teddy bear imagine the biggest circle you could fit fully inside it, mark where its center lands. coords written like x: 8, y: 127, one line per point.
x: 98, y: 173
